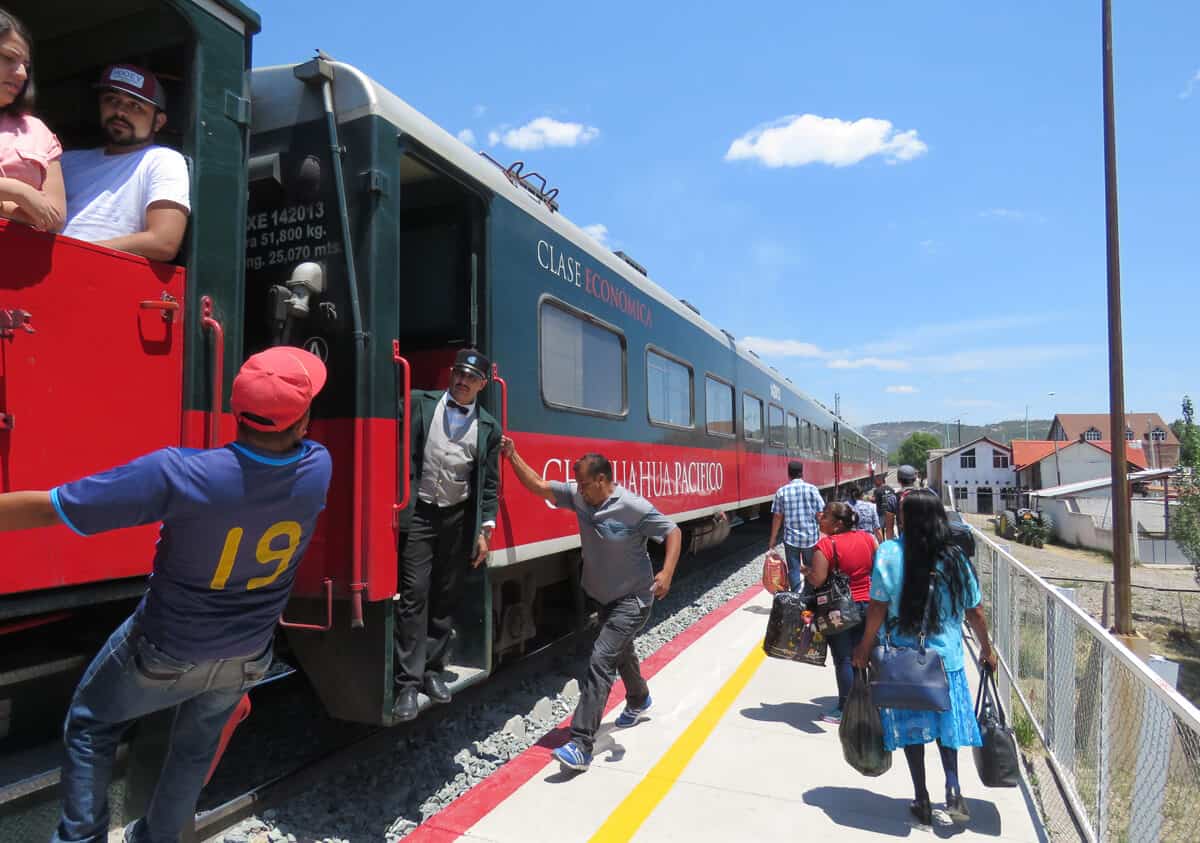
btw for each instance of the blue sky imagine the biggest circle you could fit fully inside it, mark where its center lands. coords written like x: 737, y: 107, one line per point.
x: 903, y: 203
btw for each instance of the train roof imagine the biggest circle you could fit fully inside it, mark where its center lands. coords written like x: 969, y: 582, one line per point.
x: 280, y: 101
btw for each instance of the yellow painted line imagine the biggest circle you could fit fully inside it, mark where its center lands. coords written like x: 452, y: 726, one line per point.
x: 628, y: 817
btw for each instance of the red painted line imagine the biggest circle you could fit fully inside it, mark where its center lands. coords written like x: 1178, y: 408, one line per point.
x: 31, y: 623
x: 456, y: 818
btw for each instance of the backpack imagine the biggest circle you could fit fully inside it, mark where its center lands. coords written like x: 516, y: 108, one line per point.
x: 882, y: 493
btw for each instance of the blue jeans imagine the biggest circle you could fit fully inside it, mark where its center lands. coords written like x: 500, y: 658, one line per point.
x: 794, y: 556
x: 842, y: 645
x: 128, y: 679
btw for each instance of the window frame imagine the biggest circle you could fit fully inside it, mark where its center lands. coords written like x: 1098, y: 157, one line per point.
x: 963, y: 456
x: 1158, y: 435
x: 792, y: 428
x: 783, y: 413
x: 762, y: 420
x: 650, y: 348
x: 1000, y: 455
x: 732, y: 405
x: 1088, y: 437
x: 583, y: 315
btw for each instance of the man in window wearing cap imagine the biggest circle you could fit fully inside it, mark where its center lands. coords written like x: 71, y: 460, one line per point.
x: 455, y: 473
x: 129, y: 194
x: 235, y: 523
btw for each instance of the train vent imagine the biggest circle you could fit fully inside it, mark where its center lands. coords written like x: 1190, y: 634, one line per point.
x: 637, y: 266
x: 732, y: 338
x: 690, y: 306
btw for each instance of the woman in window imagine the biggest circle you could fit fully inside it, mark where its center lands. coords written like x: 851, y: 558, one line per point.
x: 899, y: 590
x: 31, y: 182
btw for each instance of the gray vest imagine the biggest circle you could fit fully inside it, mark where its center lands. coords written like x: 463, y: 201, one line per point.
x: 446, y: 470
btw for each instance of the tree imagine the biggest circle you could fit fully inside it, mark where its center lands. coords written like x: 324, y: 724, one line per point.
x: 1185, y: 521
x: 915, y: 450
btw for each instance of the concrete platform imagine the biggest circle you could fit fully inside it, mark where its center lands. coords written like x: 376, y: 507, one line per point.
x: 733, y: 749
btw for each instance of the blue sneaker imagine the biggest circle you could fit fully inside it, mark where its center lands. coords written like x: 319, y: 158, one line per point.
x: 572, y: 757
x: 630, y: 716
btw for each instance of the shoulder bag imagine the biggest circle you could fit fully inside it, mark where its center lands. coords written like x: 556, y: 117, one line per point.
x: 997, y: 759
x: 911, y: 678
x: 834, y: 609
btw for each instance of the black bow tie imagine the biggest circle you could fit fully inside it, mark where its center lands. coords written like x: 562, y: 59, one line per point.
x: 454, y: 405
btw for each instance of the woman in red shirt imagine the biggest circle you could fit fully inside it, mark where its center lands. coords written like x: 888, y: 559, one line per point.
x: 851, y: 551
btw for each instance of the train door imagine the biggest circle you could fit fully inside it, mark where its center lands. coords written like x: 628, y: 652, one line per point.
x: 443, y: 284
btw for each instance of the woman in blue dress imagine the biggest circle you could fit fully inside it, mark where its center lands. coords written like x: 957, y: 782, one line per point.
x: 899, y: 589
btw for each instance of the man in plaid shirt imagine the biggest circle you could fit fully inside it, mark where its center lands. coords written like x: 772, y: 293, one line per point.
x: 795, y: 509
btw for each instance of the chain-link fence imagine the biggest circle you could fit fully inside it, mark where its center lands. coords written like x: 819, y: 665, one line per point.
x: 1113, y: 752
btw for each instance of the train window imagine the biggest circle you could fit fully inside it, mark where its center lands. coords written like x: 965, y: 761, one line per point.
x: 582, y: 362
x: 718, y: 407
x: 778, y: 434
x: 793, y: 431
x: 668, y: 390
x: 808, y: 435
x: 752, y: 417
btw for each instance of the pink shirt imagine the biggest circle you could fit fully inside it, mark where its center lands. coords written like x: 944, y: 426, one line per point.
x: 27, y: 148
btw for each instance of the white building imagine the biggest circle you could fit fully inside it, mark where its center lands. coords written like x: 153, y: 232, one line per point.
x: 1044, y: 464
x: 979, y: 474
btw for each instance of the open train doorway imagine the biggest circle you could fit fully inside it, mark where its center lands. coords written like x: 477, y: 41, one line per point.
x: 441, y: 294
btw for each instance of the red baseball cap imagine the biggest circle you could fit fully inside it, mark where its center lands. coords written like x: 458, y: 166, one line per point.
x: 135, y: 81
x: 274, y: 388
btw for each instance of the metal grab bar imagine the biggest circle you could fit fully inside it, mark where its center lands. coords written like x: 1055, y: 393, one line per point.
x: 404, y: 464
x: 503, y: 384
x: 503, y: 397
x: 209, y: 322
x: 316, y: 627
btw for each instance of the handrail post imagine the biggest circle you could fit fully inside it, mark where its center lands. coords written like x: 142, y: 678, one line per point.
x: 210, y: 323
x: 503, y: 384
x: 328, y: 625
x: 404, y: 448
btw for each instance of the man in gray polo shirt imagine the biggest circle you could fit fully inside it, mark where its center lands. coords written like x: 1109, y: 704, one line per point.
x: 614, y: 524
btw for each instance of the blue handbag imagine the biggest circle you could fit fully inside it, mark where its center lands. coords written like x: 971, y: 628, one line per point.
x: 907, y: 677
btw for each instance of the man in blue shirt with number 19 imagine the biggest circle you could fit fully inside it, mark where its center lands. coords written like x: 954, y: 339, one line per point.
x: 235, y: 523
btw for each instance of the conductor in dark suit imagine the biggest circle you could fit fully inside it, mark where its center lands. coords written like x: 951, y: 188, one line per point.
x: 455, y: 475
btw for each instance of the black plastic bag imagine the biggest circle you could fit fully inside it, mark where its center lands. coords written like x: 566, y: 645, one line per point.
x: 997, y: 761
x: 790, y: 632
x: 861, y: 731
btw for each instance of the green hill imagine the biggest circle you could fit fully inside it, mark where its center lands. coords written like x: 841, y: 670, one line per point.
x: 891, y: 434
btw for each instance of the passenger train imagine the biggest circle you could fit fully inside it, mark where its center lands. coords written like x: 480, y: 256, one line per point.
x: 384, y: 258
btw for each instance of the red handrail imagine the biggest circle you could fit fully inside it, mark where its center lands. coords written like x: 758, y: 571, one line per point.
x: 503, y: 384
x: 503, y: 397
x: 209, y: 322
x: 404, y: 464
x: 316, y: 627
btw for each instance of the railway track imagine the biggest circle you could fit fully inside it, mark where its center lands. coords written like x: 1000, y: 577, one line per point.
x: 29, y: 803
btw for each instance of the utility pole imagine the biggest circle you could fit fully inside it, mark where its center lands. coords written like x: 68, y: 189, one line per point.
x: 1026, y: 421
x: 959, y: 431
x: 1122, y: 592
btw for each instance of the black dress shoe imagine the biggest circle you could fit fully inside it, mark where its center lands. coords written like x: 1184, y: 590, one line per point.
x: 405, y: 707
x: 436, y: 689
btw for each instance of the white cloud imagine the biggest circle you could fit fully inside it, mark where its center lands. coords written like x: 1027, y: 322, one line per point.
x: 467, y: 137
x: 598, y: 232
x: 785, y: 348
x: 883, y: 364
x: 1004, y: 357
x: 902, y: 390
x: 794, y: 141
x: 542, y: 132
x: 1191, y: 86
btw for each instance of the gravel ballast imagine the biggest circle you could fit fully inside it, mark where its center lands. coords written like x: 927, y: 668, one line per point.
x: 386, y: 797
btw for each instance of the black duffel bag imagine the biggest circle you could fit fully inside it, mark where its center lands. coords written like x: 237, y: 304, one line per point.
x: 997, y: 761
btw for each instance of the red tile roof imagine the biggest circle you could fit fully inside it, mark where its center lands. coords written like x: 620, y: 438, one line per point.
x: 1028, y: 451
x: 1074, y: 425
